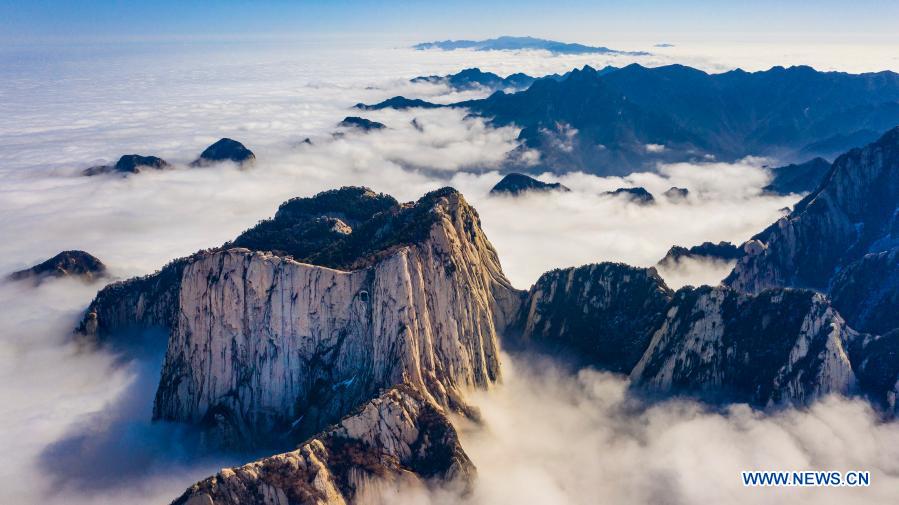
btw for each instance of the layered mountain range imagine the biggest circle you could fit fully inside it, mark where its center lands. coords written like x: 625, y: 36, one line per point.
x: 342, y: 332
x: 615, y: 121
x: 693, y: 114
x: 305, y: 316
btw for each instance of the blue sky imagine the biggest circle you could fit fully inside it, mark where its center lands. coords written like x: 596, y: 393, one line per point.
x: 586, y: 21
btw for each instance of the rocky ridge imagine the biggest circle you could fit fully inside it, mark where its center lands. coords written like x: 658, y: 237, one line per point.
x: 264, y: 349
x: 852, y: 213
x: 398, y: 438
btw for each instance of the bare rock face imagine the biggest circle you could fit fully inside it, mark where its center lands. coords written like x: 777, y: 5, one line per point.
x: 875, y: 360
x: 782, y: 346
x: 266, y: 350
x: 866, y: 292
x: 135, y: 305
x: 398, y: 438
x: 852, y: 213
x: 605, y: 313
x: 65, y: 264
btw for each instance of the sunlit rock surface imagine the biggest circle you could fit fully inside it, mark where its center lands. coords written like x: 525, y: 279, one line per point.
x: 265, y: 349
x: 781, y: 346
x: 399, y: 438
x: 854, y: 212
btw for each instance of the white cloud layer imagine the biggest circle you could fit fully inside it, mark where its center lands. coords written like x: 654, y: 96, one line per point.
x: 551, y: 437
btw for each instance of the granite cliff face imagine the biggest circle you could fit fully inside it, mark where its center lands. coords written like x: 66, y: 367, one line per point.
x: 136, y: 305
x: 605, y: 313
x: 264, y: 349
x: 399, y: 438
x: 854, y: 212
x: 782, y: 346
x: 866, y: 292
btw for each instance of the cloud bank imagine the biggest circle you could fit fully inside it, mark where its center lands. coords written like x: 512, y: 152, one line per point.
x: 551, y: 436
x: 66, y: 416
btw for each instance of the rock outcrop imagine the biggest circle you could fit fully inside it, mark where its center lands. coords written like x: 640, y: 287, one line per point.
x: 129, y: 164
x: 676, y: 194
x: 782, y: 346
x: 399, y: 103
x: 875, y: 360
x: 604, y: 313
x: 854, y: 212
x: 515, y: 184
x: 77, y: 264
x: 399, y: 439
x: 361, y: 123
x: 225, y: 150
x: 475, y: 78
x: 710, y: 251
x: 866, y: 292
x: 266, y: 350
x: 637, y: 195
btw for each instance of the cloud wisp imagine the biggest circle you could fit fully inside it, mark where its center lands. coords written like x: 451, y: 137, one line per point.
x: 555, y: 436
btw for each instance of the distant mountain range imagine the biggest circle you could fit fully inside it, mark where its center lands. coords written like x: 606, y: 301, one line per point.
x: 605, y: 122
x: 474, y: 78
x: 615, y: 121
x: 507, y: 43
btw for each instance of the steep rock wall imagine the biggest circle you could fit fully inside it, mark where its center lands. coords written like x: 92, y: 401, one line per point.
x: 782, y: 346
x: 855, y: 211
x: 268, y: 349
x: 605, y: 313
x: 399, y: 438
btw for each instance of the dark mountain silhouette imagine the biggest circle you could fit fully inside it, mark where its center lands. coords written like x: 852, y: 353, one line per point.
x: 722, y: 251
x: 516, y: 184
x: 675, y: 193
x: 507, y: 43
x: 798, y: 178
x: 361, y: 123
x: 129, y: 164
x: 838, y: 144
x: 695, y: 115
x: 472, y: 78
x: 65, y: 264
x: 399, y: 103
x: 225, y: 150
x: 637, y: 195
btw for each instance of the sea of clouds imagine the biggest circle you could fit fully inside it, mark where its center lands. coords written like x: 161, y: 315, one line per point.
x: 75, y: 425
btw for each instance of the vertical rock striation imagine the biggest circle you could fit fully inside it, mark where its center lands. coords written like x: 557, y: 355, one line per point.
x: 399, y: 438
x: 265, y: 349
x: 605, y: 313
x: 855, y: 211
x: 781, y: 346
